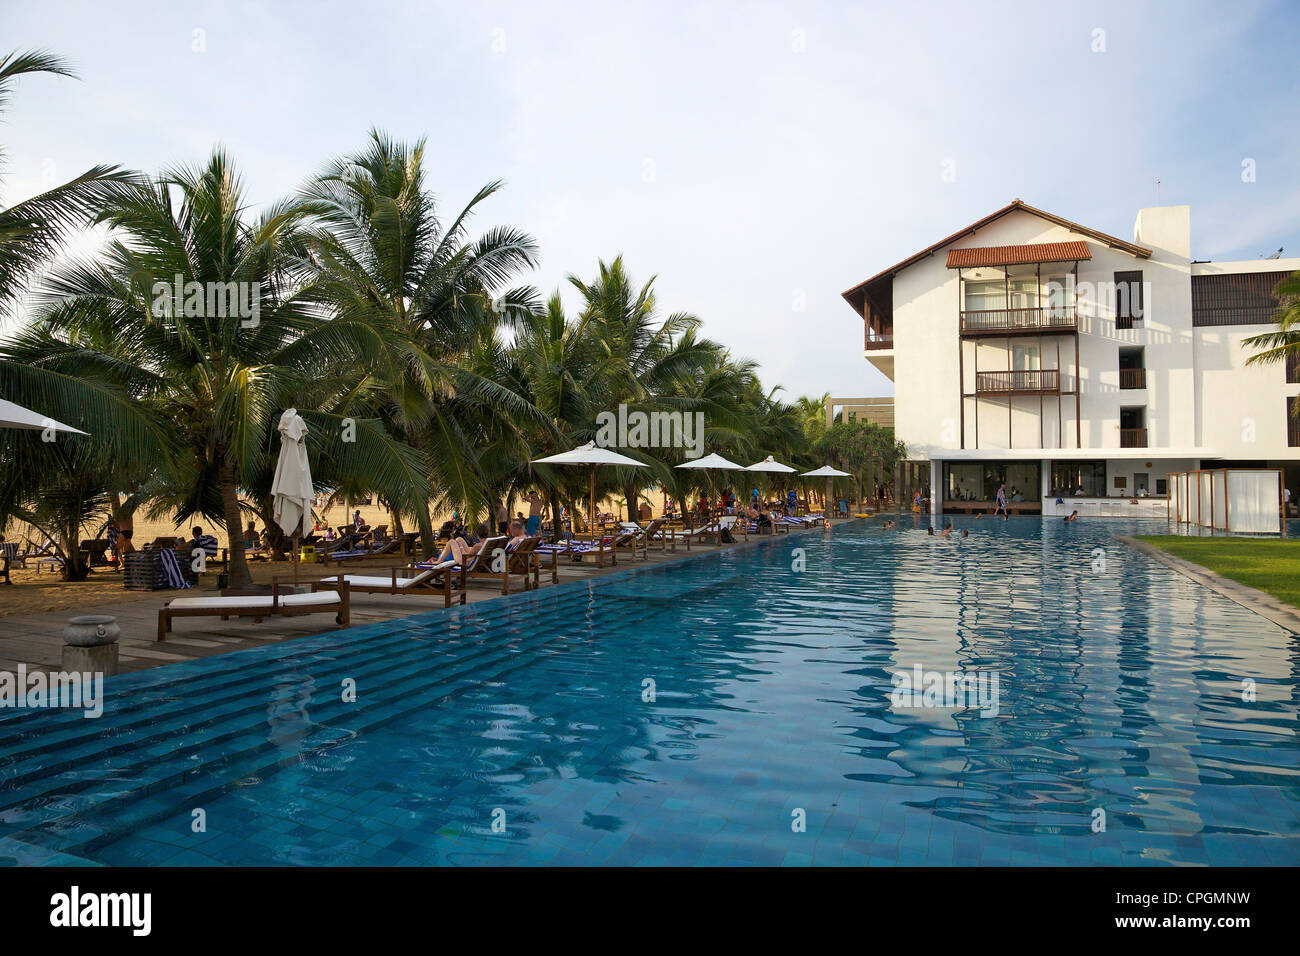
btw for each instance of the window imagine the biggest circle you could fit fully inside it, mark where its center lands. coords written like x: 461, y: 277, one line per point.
x: 985, y: 294
x: 980, y: 482
x: 1293, y: 422
x: 1079, y: 478
x: 1133, y: 427
x: 1128, y: 299
x: 1132, y: 368
x: 1235, y: 299
x: 1024, y: 358
x: 1058, y: 293
x: 1293, y: 369
x: 1024, y: 293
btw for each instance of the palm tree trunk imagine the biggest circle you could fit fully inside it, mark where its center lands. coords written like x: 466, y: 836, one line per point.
x: 427, y: 539
x: 237, y: 569
x: 553, y: 501
x: 73, y: 568
x: 629, y: 492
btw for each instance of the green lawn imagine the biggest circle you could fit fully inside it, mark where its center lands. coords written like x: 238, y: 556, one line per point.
x: 1268, y: 564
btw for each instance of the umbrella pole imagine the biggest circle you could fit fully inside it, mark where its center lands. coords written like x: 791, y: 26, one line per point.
x: 591, y: 515
x: 295, y: 561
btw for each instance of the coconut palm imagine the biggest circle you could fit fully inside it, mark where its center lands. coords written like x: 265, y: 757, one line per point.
x: 640, y: 357
x: 147, y: 311
x: 33, y: 230
x: 1284, y: 344
x: 384, y: 257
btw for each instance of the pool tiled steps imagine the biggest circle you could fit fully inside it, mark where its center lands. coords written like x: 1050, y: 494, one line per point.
x: 70, y: 784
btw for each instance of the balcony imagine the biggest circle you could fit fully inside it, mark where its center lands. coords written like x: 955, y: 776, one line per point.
x: 1026, y: 382
x: 1132, y: 438
x: 880, y: 341
x: 1018, y: 321
x: 1133, y: 378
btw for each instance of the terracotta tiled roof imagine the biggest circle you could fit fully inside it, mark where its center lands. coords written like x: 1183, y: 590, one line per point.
x: 1017, y: 255
x: 856, y: 297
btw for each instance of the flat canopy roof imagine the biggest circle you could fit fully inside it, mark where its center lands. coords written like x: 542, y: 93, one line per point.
x: 1027, y: 254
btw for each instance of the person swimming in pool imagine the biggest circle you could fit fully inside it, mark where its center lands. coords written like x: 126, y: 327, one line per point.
x: 1072, y: 516
x: 947, y: 531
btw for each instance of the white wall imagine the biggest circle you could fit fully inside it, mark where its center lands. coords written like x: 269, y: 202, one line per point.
x: 1198, y: 394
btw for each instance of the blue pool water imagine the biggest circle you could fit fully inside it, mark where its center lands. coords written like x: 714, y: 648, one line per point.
x: 518, y: 731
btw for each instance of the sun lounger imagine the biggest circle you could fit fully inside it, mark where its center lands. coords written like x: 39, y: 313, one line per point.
x: 413, y: 580
x: 480, y: 563
x: 578, y: 550
x: 354, y: 553
x: 711, y: 530
x: 656, y: 530
x: 629, y: 535
x: 256, y: 606
x: 517, y: 557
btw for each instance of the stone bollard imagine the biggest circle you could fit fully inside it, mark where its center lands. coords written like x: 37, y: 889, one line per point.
x: 90, y: 645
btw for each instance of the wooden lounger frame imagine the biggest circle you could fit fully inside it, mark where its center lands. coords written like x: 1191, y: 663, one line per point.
x: 341, y: 585
x: 166, y: 613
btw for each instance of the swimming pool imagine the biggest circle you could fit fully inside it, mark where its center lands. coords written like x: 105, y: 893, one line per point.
x: 527, y: 730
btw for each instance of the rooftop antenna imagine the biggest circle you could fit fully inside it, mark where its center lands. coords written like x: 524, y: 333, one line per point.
x: 1276, y: 255
x: 1157, y: 192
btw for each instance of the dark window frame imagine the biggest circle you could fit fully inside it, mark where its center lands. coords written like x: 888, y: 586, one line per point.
x: 1128, y: 286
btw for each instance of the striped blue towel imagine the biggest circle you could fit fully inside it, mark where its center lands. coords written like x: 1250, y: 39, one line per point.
x: 172, y: 568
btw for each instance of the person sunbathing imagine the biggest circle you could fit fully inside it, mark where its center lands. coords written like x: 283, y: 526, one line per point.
x: 762, y: 518
x: 458, y: 549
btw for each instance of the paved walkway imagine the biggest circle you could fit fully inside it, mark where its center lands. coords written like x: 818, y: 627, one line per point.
x: 1261, y: 602
x: 36, y: 640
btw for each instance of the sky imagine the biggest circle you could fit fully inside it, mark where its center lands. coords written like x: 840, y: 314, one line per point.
x: 758, y: 158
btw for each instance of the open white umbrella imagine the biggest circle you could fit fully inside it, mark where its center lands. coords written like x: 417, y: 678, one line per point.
x: 712, y: 461
x: 291, y: 491
x: 15, y: 416
x: 594, y: 457
x: 827, y: 472
x: 770, y: 464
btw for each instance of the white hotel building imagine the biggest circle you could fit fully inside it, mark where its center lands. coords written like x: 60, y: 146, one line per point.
x: 1033, y: 350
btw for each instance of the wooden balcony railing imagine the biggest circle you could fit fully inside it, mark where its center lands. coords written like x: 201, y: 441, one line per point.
x: 1031, y: 382
x: 1002, y: 321
x: 1133, y: 378
x: 1132, y: 438
x: 885, y: 341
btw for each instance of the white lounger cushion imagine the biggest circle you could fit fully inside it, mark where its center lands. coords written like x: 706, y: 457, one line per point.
x: 368, y: 581
x: 711, y: 529
x: 257, y: 601
x: 376, y: 581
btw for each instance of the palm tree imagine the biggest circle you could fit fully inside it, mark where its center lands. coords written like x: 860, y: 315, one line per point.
x: 813, y: 413
x: 219, y: 380
x: 32, y: 231
x: 383, y: 257
x: 641, y: 355
x: 1284, y: 344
